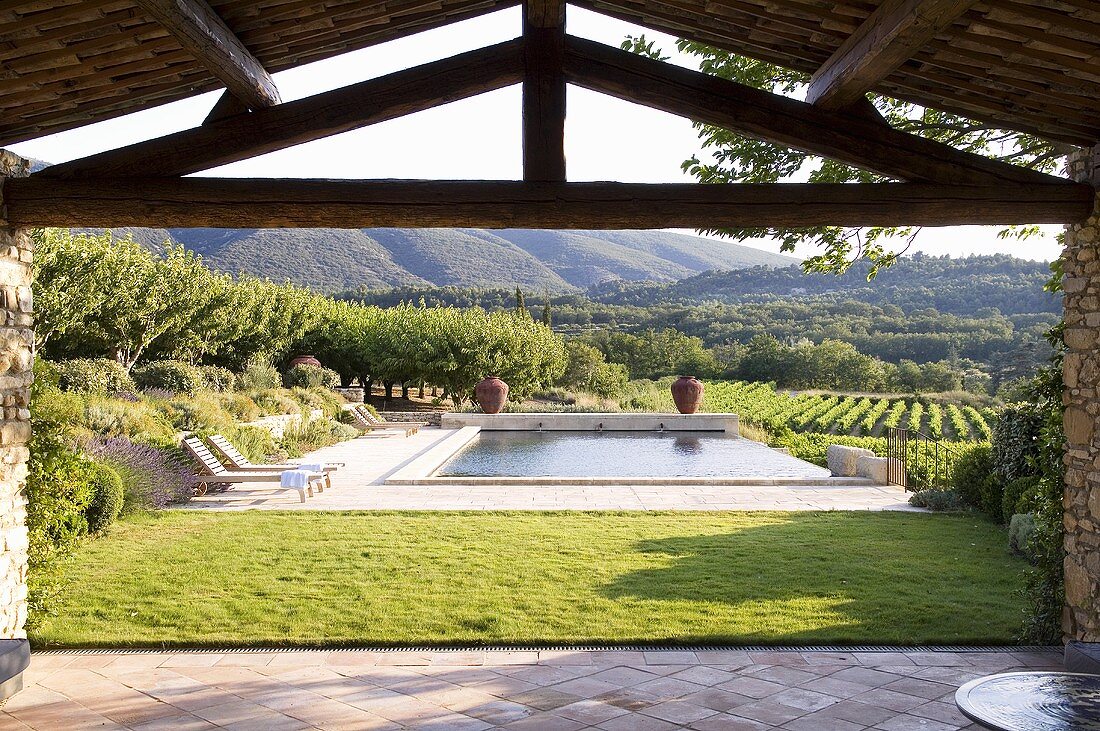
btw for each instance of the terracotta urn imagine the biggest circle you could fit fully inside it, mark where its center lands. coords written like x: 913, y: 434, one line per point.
x: 304, y: 359
x: 491, y: 394
x: 687, y: 393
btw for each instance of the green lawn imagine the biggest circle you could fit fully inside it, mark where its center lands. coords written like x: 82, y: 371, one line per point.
x: 313, y: 578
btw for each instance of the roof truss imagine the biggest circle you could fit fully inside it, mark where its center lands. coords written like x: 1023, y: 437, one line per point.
x: 888, y: 38
x: 944, y: 186
x: 202, y: 32
x: 259, y: 203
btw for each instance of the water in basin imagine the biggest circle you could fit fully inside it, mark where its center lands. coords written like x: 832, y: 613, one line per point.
x: 621, y: 454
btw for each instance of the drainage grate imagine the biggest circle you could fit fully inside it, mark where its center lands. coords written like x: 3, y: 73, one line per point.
x: 559, y: 648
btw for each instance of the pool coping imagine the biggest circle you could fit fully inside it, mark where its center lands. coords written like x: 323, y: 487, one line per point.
x: 421, y: 470
x: 595, y: 421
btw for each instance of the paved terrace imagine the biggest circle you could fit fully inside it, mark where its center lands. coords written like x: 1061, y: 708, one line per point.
x: 729, y: 690
x: 360, y: 485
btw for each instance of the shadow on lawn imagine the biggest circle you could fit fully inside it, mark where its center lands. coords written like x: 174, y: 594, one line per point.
x: 809, y: 578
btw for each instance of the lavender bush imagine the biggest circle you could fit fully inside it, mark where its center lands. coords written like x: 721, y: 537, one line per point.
x: 153, y: 477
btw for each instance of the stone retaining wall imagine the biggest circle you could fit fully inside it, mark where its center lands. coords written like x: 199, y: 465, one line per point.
x: 1081, y: 259
x: 432, y: 417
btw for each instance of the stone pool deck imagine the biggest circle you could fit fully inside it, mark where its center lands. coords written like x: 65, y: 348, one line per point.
x: 557, y: 690
x: 360, y: 485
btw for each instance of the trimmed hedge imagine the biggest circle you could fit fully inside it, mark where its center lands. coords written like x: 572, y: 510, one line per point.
x: 170, y: 375
x: 92, y: 375
x: 107, y: 496
x: 311, y: 376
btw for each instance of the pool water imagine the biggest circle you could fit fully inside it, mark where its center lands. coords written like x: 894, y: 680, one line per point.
x: 620, y: 454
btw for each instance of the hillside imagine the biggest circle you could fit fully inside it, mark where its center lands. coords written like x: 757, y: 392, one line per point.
x: 961, y: 286
x: 331, y: 260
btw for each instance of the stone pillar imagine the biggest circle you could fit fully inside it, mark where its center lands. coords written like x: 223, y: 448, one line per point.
x: 16, y: 356
x: 1081, y: 396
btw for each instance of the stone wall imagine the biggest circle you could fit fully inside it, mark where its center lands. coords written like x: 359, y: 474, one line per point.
x: 432, y: 418
x: 16, y: 354
x: 1081, y: 620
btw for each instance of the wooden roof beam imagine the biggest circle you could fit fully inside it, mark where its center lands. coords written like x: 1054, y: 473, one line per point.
x: 889, y: 37
x: 271, y: 203
x: 852, y: 138
x: 544, y: 90
x: 203, y: 34
x: 241, y: 136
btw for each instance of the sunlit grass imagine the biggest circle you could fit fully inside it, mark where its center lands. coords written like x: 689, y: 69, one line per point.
x: 315, y: 578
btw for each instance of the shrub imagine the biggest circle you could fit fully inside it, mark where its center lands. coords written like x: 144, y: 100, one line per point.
x: 256, y: 443
x: 107, y: 496
x: 202, y: 412
x: 240, y: 407
x: 972, y: 474
x: 311, y: 376
x: 1016, y: 441
x: 1021, y: 531
x: 258, y: 376
x: 169, y: 375
x: 216, y: 378
x: 328, y: 401
x: 314, y: 434
x: 1013, y: 493
x: 92, y: 375
x: 152, y: 477
x: 273, y: 401
x: 58, y: 496
x: 133, y: 419
x: 937, y: 500
x: 1032, y: 498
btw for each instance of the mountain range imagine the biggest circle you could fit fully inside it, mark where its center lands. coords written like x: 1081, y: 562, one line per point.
x: 331, y: 260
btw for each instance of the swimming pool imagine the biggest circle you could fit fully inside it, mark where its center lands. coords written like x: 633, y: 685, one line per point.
x: 628, y: 454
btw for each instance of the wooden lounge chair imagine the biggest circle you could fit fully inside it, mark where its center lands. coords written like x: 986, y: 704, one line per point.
x: 363, y: 424
x: 213, y: 472
x: 372, y: 419
x: 224, y: 449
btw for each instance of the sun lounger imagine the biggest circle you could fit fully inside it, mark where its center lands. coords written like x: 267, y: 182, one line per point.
x: 363, y: 424
x: 372, y: 419
x: 212, y: 472
x: 224, y: 448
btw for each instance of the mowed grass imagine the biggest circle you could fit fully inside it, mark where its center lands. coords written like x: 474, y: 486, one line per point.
x: 313, y: 578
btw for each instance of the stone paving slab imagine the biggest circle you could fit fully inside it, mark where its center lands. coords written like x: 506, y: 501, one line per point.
x: 713, y: 690
x: 360, y: 485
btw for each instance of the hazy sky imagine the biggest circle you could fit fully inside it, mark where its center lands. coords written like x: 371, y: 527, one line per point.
x: 479, y: 138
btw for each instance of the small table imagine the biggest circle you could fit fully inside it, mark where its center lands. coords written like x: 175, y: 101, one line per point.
x: 1033, y: 701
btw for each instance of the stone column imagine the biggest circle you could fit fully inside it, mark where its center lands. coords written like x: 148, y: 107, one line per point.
x: 1081, y: 396
x: 16, y: 356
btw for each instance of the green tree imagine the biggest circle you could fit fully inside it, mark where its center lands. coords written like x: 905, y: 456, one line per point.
x: 740, y: 159
x: 68, y: 281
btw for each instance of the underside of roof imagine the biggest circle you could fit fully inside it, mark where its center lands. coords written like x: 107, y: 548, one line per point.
x: 1029, y: 65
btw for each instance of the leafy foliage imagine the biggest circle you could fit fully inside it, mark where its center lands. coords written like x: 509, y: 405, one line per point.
x: 107, y: 497
x: 171, y: 376
x: 93, y: 375
x: 311, y: 376
x: 740, y: 159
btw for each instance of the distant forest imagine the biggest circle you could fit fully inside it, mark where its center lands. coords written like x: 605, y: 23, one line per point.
x: 990, y: 310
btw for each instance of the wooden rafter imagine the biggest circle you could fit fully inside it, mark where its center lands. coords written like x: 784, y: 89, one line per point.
x: 226, y: 106
x: 257, y: 203
x: 849, y: 138
x: 203, y: 34
x: 243, y: 136
x: 544, y: 90
x: 887, y: 39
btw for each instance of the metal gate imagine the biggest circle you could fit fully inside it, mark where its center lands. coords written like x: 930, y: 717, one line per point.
x: 916, y: 461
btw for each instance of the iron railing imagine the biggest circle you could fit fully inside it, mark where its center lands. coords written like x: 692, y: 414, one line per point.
x: 916, y: 461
